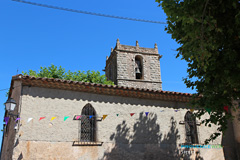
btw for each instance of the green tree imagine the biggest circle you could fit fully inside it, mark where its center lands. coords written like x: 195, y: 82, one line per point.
x: 55, y: 72
x: 208, y: 32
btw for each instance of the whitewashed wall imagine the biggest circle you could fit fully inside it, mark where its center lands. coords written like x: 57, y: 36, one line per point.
x: 124, y: 137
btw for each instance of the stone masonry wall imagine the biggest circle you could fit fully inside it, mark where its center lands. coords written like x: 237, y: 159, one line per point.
x: 126, y: 71
x: 140, y: 84
x: 125, y: 67
x: 111, y: 68
x: 124, y: 137
x: 9, y: 131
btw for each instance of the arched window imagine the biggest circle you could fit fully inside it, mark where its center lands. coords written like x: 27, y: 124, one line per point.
x: 191, y: 128
x: 138, y: 67
x: 88, y: 124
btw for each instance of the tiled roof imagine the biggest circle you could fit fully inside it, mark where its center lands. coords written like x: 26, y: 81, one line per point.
x: 102, y: 89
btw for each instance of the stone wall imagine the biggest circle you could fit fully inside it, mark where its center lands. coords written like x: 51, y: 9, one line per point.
x: 9, y: 133
x: 124, y: 137
x: 140, y: 84
x: 124, y: 67
x: 236, y: 126
x: 111, y: 68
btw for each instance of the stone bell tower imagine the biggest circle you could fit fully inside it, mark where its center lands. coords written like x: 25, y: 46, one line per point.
x: 134, y: 66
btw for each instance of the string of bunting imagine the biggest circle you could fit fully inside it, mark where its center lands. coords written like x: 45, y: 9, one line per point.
x: 6, y: 119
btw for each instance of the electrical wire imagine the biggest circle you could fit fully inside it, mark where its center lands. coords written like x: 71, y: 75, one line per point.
x: 90, y: 13
x: 4, y: 89
x: 9, y: 88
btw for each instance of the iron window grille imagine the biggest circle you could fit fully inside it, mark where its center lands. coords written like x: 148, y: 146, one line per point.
x: 87, y: 127
x: 88, y: 124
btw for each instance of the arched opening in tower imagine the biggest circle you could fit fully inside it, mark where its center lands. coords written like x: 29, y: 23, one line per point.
x: 138, y: 67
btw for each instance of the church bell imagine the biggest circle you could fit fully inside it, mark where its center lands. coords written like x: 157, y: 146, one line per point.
x: 137, y: 70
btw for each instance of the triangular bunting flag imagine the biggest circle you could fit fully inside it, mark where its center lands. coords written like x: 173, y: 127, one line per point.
x: 78, y: 117
x: 146, y: 113
x: 117, y: 114
x: 53, y: 118
x: 90, y: 117
x: 208, y: 110
x: 29, y: 119
x: 65, y: 118
x: 191, y: 110
x: 104, y: 116
x: 225, y: 108
x: 15, y: 126
x: 6, y: 119
x: 17, y: 119
x: 132, y: 114
x: 175, y: 110
x: 50, y: 124
x: 41, y: 118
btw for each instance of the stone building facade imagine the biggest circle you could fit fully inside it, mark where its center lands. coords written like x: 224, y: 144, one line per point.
x: 121, y: 66
x: 141, y: 123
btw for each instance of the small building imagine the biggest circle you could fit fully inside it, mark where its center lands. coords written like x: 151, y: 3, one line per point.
x: 133, y: 119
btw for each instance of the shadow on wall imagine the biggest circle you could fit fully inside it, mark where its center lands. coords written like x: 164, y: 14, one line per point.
x: 90, y: 97
x: 228, y: 142
x: 146, y: 142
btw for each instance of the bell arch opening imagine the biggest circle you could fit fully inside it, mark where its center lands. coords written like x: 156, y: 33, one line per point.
x: 139, y: 67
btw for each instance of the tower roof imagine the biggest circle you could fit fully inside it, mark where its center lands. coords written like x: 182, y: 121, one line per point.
x: 137, y: 49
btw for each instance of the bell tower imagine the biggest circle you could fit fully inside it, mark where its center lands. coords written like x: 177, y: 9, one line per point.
x: 134, y: 66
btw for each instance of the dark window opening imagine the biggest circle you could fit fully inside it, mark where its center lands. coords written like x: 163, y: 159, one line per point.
x: 191, y: 128
x: 138, y: 68
x: 88, y: 124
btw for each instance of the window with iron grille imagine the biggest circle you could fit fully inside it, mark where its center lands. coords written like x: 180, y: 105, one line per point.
x: 88, y: 124
x: 191, y: 128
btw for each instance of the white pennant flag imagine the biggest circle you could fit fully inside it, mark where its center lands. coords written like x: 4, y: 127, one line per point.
x: 29, y: 119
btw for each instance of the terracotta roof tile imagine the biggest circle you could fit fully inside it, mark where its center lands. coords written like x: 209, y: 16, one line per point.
x: 103, y: 89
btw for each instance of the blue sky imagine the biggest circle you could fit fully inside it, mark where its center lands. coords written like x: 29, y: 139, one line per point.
x: 33, y: 36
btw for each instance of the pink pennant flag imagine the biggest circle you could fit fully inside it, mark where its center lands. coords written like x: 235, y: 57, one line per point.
x: 78, y: 117
x: 41, y: 118
x: 132, y: 114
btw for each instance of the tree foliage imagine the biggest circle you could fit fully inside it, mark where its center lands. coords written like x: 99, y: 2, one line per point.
x: 208, y: 32
x: 55, y: 72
